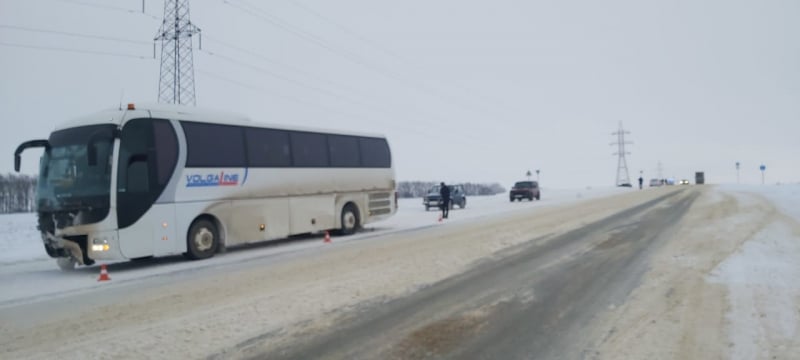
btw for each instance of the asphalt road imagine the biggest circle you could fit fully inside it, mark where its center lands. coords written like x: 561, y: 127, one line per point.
x: 540, y: 301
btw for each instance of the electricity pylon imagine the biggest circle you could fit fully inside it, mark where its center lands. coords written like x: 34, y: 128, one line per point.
x: 176, y: 81
x: 623, y: 178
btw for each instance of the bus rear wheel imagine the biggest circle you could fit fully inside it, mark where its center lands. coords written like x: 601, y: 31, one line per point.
x: 202, y: 240
x: 350, y: 220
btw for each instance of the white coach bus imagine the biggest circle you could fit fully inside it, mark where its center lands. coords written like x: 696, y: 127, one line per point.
x: 160, y: 180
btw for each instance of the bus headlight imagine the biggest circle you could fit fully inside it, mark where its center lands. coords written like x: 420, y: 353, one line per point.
x: 100, y: 244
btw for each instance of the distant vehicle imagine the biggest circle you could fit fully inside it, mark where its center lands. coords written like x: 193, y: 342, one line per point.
x: 625, y: 185
x: 699, y: 178
x: 163, y: 180
x: 524, y: 190
x: 655, y: 182
x: 457, y: 197
x: 684, y: 182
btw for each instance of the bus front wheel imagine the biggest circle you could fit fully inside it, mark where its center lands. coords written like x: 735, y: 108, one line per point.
x: 66, y: 263
x: 350, y: 220
x: 202, y: 240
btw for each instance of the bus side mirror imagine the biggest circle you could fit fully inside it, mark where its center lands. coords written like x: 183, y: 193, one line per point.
x: 28, y: 144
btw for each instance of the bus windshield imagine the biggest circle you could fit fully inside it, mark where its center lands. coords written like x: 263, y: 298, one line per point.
x: 67, y: 179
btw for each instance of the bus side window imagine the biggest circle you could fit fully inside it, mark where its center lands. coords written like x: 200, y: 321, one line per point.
x: 375, y: 153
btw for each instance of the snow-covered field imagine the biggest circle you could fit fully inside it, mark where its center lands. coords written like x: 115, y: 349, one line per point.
x: 27, y: 273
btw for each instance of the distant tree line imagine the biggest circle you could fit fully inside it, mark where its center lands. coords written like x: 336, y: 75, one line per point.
x: 17, y: 193
x: 414, y: 189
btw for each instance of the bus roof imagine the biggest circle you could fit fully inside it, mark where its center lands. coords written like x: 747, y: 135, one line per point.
x: 120, y: 116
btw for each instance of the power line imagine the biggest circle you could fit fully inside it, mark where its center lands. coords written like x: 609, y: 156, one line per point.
x: 347, y: 30
x: 108, y: 8
x: 278, y: 76
x: 273, y: 61
x: 374, y: 44
x: 263, y: 15
x: 243, y: 64
x: 349, y: 89
x: 258, y: 88
x: 78, y: 51
x: 308, y: 103
x: 65, y: 33
x: 373, y: 107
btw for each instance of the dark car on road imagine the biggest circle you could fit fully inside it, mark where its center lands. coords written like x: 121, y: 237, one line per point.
x: 433, y: 200
x: 524, y: 190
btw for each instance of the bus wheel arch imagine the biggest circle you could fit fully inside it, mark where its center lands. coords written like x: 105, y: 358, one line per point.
x: 204, y: 237
x: 350, y: 219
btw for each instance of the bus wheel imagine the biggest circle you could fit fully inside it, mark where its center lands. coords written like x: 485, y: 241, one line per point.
x: 203, y: 240
x: 350, y: 221
x: 66, y: 263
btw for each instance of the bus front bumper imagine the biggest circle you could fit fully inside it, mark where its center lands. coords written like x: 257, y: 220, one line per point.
x: 101, y: 245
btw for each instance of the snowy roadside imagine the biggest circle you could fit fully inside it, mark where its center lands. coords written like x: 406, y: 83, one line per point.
x: 763, y: 282
x: 724, y: 287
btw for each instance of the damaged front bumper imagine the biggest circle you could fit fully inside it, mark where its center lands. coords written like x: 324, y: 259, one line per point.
x: 84, y: 249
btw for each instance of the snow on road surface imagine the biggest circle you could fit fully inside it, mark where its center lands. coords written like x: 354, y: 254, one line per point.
x: 720, y: 288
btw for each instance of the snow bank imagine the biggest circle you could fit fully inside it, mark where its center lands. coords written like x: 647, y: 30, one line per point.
x: 762, y: 280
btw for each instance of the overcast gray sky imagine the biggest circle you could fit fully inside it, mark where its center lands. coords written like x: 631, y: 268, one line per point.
x: 478, y: 91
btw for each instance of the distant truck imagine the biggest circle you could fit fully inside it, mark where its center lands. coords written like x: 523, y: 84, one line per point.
x: 699, y: 178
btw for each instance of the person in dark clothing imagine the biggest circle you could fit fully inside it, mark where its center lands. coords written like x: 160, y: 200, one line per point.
x: 640, y: 182
x: 444, y: 192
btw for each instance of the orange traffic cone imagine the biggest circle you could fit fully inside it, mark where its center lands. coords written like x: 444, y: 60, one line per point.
x: 327, y: 238
x: 103, y: 273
